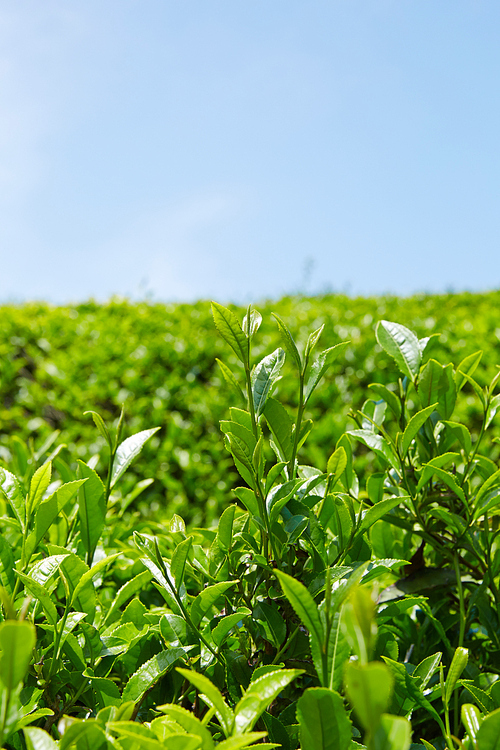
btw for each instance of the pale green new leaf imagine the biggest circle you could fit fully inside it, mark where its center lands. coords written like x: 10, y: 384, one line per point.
x: 392, y: 733
x: 336, y: 464
x: 251, y: 322
x: 467, y: 367
x: 266, y: 373
x: 231, y: 380
x: 259, y: 694
x: 39, y: 483
x: 225, y: 529
x: 12, y: 490
x: 488, y: 735
x: 369, y: 689
x: 288, y: 342
x: 244, y: 741
x: 38, y: 739
x: 229, y: 328
x: 214, y: 697
x: 471, y: 719
x: 188, y: 721
x: 323, y: 720
x: 128, y: 451
x: 99, y: 423
x: 47, y: 511
x: 17, y: 640
x: 378, y: 445
x: 402, y: 345
x: 428, y: 382
x: 320, y: 366
x: 457, y: 666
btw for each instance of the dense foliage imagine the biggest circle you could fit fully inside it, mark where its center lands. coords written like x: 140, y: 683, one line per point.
x: 348, y: 595
x: 160, y: 360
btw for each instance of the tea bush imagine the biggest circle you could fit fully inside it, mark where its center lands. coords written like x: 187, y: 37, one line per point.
x: 56, y: 363
x: 350, y: 604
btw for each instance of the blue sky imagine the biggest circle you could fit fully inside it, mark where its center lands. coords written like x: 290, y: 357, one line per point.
x: 240, y: 150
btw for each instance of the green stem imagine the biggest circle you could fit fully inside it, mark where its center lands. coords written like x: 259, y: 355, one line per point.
x: 460, y: 592
x: 298, y: 425
x: 189, y: 621
x: 286, y: 645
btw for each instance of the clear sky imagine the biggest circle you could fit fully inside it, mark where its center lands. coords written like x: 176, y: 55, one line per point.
x: 240, y: 149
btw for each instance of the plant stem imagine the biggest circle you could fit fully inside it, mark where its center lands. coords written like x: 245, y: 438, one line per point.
x: 298, y: 425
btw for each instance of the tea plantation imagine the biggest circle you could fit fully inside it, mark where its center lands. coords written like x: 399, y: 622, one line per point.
x: 160, y: 361
x: 235, y: 528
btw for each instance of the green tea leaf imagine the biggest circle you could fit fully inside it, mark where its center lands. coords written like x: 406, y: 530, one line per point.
x: 149, y: 673
x: 265, y: 375
x: 281, y: 427
x: 47, y: 512
x: 239, y: 434
x: 40, y: 592
x: 304, y: 605
x: 91, y: 509
x: 13, y: 492
x: 99, y: 423
x: 462, y: 434
x: 126, y: 592
x: 207, y: 598
x: 378, y: 511
x: 251, y: 322
x: 288, y: 342
x: 179, y: 558
x: 231, y: 380
x: 279, y: 497
x: 320, y: 366
x: 229, y: 328
x: 7, y: 563
x: 213, y: 695
x: 457, y: 666
x: 323, y: 720
x: 488, y: 735
x: 369, y: 689
x: 259, y: 694
x: 392, y: 733
x: 378, y: 445
x: 389, y: 397
x: 17, y: 641
x: 38, y: 739
x: 38, y: 485
x: 189, y: 723
x: 224, y: 626
x: 271, y: 623
x: 428, y: 383
x: 402, y: 345
x: 243, y: 741
x: 414, y: 425
x: 225, y: 529
x: 128, y: 451
x: 467, y: 367
x: 471, y: 719
x: 336, y: 464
